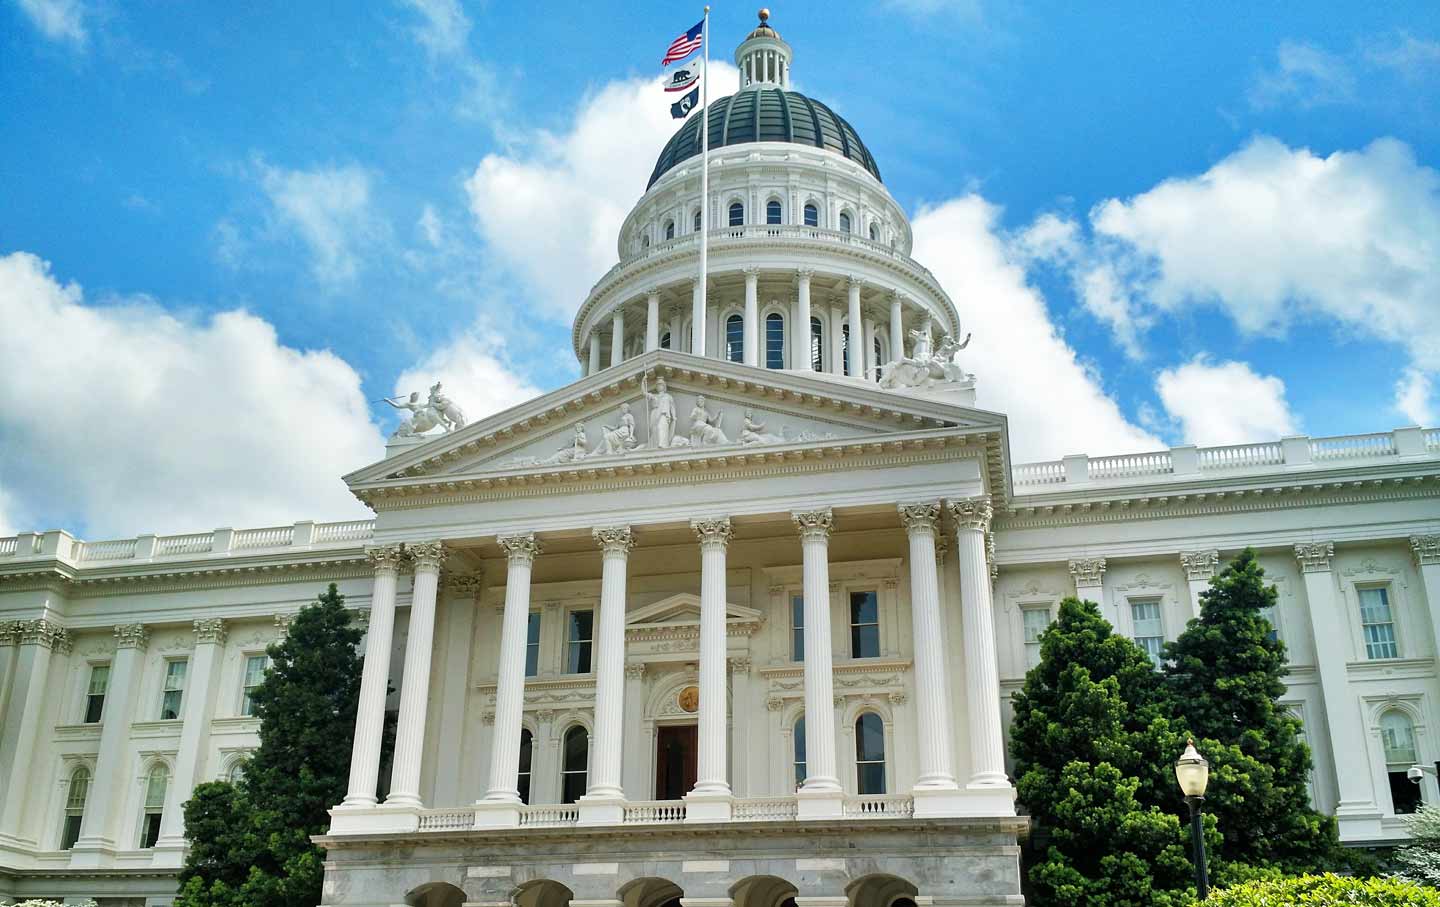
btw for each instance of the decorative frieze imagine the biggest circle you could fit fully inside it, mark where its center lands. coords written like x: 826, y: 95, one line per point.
x: 814, y: 524
x: 635, y: 670
x: 9, y: 632
x: 42, y: 632
x: 1199, y: 565
x: 738, y: 665
x: 1314, y: 557
x: 1426, y: 549
x: 973, y: 513
x: 465, y: 585
x: 131, y: 636
x: 210, y: 630
x: 614, y: 539
x: 920, y: 517
x: 522, y: 548
x: 1088, y: 571
x: 282, y: 625
x: 385, y: 558
x: 427, y: 554
x: 712, y: 531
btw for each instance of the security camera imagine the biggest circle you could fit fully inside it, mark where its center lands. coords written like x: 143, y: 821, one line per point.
x: 1415, y: 773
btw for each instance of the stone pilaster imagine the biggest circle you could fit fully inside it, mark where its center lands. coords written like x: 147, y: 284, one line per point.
x: 711, y: 798
x: 1199, y: 567
x: 97, y: 833
x: 196, y: 710
x: 1089, y: 575
x: 37, y: 642
x: 374, y: 683
x: 415, y: 677
x: 501, y: 804
x: 821, y: 794
x: 604, y: 798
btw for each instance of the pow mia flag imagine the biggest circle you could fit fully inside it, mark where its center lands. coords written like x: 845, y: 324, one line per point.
x: 681, y: 108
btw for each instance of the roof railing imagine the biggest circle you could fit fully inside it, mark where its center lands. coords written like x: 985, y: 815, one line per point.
x: 219, y: 542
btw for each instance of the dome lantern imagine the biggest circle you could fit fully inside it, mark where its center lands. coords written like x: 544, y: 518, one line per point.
x: 763, y: 57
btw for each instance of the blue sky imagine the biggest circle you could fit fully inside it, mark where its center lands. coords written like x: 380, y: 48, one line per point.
x: 226, y: 229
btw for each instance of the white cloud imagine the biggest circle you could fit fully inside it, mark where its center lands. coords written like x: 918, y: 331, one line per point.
x: 329, y: 208
x: 62, y: 21
x: 444, y: 27
x: 1304, y: 76
x: 430, y: 226
x: 550, y: 213
x: 1415, y: 398
x: 475, y: 372
x: 1025, y: 369
x: 1219, y: 403
x: 1408, y: 55
x: 123, y: 418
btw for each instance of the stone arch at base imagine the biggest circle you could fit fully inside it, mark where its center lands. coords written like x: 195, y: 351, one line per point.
x: 435, y: 894
x: 881, y: 890
x: 651, y: 892
x: 763, y: 891
x: 542, y: 893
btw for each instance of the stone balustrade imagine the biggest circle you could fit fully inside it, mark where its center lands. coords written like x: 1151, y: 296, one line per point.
x: 62, y: 546
x: 666, y: 812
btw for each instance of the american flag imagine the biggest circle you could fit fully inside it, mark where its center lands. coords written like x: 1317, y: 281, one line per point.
x: 685, y: 45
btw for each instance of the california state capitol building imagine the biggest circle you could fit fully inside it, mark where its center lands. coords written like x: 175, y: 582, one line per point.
x: 733, y: 620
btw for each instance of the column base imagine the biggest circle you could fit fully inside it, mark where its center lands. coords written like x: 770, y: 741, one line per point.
x: 497, y: 814
x: 92, y: 853
x: 822, y: 803
x: 934, y: 802
x: 709, y: 806
x: 354, y: 820
x: 601, y: 810
x: 169, y: 853
x: 987, y: 800
x: 1358, y: 821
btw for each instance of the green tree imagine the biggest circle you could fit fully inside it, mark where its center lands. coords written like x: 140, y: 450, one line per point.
x: 1419, y: 861
x: 1325, y: 891
x: 1224, y: 678
x: 1091, y: 742
x: 250, y: 842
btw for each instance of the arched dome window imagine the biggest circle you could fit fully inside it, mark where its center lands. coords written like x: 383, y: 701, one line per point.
x: 696, y: 228
x: 817, y: 344
x: 670, y: 229
x: 874, y: 232
x: 799, y: 751
x: 876, y: 360
x: 845, y: 346
x: 812, y: 216
x: 665, y: 341
x: 735, y: 338
x: 844, y: 222
x: 1397, y: 736
x: 645, y: 241
x: 772, y: 211
x: 737, y: 214
x: 774, y: 340
x: 869, y: 754
x: 75, y: 799
x: 574, y: 764
x: 527, y: 749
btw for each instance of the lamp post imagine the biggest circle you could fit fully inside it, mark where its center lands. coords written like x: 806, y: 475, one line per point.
x: 1193, y: 773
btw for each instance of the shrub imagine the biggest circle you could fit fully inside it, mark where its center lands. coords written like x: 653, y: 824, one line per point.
x: 1325, y: 891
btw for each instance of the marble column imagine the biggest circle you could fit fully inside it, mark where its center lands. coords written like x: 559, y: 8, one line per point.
x: 897, y: 327
x: 800, y: 348
x: 374, y: 681
x: 751, y: 332
x: 594, y: 365
x: 988, y: 785
x: 652, y: 321
x: 96, y: 829
x: 710, y: 800
x: 604, y: 798
x: 857, y: 327
x: 39, y: 639
x: 677, y: 329
x: 1199, y: 567
x: 821, y: 795
x: 1357, y: 812
x: 1426, y: 550
x: 697, y: 317
x: 197, y: 707
x: 415, y: 677
x: 935, y: 788
x: 1089, y: 574
x: 9, y: 648
x: 503, y: 798
x: 617, y: 336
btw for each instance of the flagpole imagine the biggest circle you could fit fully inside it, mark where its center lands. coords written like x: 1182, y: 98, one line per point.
x: 697, y: 330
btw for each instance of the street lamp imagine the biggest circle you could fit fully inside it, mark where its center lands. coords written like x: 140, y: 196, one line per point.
x: 1193, y: 773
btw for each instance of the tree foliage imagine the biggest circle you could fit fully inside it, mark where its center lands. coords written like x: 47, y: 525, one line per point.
x: 1325, y: 891
x: 250, y: 842
x: 1420, y: 860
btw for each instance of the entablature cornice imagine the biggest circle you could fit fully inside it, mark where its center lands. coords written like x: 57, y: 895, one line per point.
x: 176, y: 577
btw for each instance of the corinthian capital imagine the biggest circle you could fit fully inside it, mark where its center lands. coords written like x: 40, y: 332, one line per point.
x: 712, y: 530
x: 210, y: 630
x: 131, y: 636
x: 9, y: 632
x: 1088, y: 571
x: 814, y: 524
x: 42, y: 632
x: 804, y: 274
x: 1426, y: 549
x: 1199, y: 565
x: 973, y: 513
x: 854, y: 282
x: 385, y: 558
x: 522, y: 548
x: 920, y: 517
x: 1314, y: 557
x: 427, y: 554
x: 614, y: 539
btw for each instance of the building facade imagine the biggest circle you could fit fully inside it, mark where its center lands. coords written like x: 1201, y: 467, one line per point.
x: 732, y: 620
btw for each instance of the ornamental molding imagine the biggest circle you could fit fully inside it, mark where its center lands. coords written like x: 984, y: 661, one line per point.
x: 131, y: 636
x: 520, y: 549
x: 972, y: 514
x: 464, y: 585
x: 386, y: 558
x: 614, y: 540
x: 282, y: 625
x: 429, y: 554
x: 9, y: 632
x: 923, y: 517
x: 1369, y: 566
x: 1425, y: 549
x: 814, y: 525
x: 635, y: 670
x: 1199, y: 565
x: 712, y: 531
x: 42, y: 632
x: 1314, y: 557
x: 210, y: 630
x: 1088, y: 571
x: 153, y: 578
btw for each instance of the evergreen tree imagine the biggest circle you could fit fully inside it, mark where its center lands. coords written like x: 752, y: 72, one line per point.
x: 1091, y: 747
x: 1224, y: 679
x: 250, y: 842
x: 1419, y: 861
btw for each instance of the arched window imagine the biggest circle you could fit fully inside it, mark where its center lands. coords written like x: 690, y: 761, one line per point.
x: 844, y: 222
x: 697, y: 220
x: 774, y: 340
x: 874, y: 232
x: 877, y: 358
x: 237, y: 772
x: 869, y: 754
x: 645, y: 241
x: 812, y: 216
x: 817, y: 344
x: 772, y: 211
x: 522, y: 781
x: 735, y: 338
x: 737, y: 214
x: 75, y: 807
x: 155, y: 786
x: 845, y: 345
x: 800, y: 751
x: 665, y: 341
x: 574, y: 763
x: 1397, y: 735
x: 670, y: 229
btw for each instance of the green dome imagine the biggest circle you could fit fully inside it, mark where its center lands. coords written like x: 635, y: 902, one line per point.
x: 766, y: 115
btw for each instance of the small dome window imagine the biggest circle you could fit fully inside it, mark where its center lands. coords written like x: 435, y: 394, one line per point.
x: 812, y: 216
x: 645, y: 241
x: 737, y: 214
x: 670, y: 229
x: 696, y: 228
x: 874, y: 232
x: 844, y: 222
x: 772, y: 211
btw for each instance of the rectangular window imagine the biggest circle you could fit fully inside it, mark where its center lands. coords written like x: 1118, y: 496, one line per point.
x: 797, y: 628
x: 532, y: 645
x: 581, y: 636
x: 254, y: 676
x: 1036, y: 621
x: 864, y: 625
x: 71, y: 832
x: 95, y: 693
x: 174, y: 690
x: 1148, y: 633
x: 1378, y: 623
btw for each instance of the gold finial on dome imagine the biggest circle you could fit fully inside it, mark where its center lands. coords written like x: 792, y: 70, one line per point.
x: 764, y: 14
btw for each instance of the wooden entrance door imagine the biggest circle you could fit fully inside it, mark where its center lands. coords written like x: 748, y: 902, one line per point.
x: 675, y: 747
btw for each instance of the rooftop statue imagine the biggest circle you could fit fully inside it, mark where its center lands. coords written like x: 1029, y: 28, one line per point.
x: 438, y: 410
x: 923, y: 368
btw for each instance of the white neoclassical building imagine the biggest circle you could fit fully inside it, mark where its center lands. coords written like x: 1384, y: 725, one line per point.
x: 727, y: 622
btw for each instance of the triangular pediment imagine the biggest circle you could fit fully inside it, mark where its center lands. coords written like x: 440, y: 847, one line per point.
x: 715, y: 409
x: 684, y: 609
